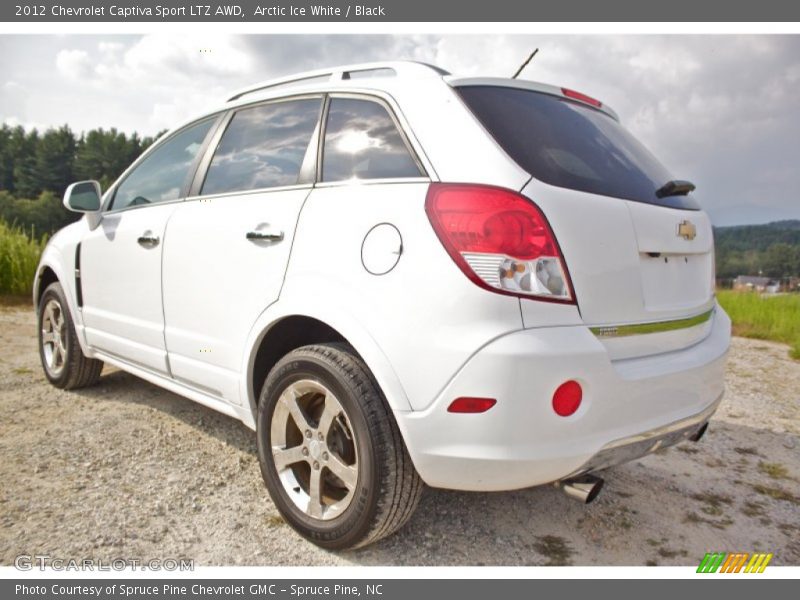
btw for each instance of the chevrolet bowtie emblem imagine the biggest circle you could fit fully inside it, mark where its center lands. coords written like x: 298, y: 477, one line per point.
x: 687, y: 230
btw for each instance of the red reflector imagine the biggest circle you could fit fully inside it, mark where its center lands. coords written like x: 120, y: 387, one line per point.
x: 471, y: 405
x: 582, y: 97
x: 567, y: 398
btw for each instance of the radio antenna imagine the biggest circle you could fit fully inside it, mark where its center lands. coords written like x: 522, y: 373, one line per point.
x: 525, y: 64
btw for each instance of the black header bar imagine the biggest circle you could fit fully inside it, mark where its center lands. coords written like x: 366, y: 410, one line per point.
x: 376, y: 11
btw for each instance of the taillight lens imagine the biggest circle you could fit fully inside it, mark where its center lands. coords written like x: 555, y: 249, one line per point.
x: 500, y: 240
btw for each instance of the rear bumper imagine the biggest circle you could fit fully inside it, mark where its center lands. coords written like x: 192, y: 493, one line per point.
x: 630, y: 407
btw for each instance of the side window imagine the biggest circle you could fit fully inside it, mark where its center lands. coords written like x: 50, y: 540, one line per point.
x: 362, y: 142
x: 160, y: 176
x: 263, y: 147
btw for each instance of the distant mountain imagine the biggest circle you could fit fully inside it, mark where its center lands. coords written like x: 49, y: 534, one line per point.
x: 771, y: 249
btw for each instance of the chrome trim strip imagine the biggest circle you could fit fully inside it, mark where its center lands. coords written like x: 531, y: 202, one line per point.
x: 645, y: 328
x: 666, y: 429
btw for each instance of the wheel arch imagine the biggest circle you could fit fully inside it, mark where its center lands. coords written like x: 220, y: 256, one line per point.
x: 44, y: 277
x: 276, y: 333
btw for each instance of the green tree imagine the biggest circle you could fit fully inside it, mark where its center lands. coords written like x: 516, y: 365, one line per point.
x: 23, y: 148
x: 781, y: 260
x: 55, y: 155
x: 6, y: 159
x: 43, y: 215
x: 104, y: 154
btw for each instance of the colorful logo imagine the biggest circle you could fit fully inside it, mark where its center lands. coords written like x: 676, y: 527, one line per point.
x: 734, y: 562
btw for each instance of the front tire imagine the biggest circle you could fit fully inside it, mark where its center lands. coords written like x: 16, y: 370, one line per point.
x: 63, y: 361
x: 330, y: 452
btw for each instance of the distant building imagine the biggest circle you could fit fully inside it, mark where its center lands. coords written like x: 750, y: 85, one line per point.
x: 755, y: 284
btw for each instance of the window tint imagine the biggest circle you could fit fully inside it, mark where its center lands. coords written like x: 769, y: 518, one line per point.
x: 160, y: 176
x: 263, y: 147
x: 570, y: 145
x: 362, y: 142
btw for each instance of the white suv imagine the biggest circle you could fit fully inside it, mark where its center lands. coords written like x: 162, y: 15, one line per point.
x: 398, y: 276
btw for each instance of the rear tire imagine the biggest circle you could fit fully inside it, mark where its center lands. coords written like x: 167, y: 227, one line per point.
x: 63, y: 361
x: 330, y: 451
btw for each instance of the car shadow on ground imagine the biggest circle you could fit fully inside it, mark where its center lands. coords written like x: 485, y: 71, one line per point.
x: 737, y: 489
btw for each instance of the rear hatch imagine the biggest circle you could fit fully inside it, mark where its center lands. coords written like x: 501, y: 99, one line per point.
x: 639, y: 253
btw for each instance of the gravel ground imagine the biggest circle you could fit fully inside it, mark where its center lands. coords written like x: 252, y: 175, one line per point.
x: 125, y: 469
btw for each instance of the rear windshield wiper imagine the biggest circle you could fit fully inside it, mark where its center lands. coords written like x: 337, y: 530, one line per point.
x: 676, y: 187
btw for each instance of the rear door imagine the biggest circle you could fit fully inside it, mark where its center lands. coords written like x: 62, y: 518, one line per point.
x: 228, y: 245
x: 120, y: 260
x: 634, y: 255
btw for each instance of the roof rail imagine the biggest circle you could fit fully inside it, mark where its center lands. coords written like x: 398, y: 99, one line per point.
x: 379, y: 69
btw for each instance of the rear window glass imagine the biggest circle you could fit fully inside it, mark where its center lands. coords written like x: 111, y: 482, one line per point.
x: 362, y: 142
x: 567, y: 144
x: 263, y: 146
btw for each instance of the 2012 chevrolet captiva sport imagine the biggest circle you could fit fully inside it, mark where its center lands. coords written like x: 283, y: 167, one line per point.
x: 398, y: 276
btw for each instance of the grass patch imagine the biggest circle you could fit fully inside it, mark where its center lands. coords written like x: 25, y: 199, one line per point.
x: 753, y: 509
x: 775, y: 318
x: 19, y: 257
x: 669, y: 553
x: 555, y: 549
x: 275, y: 521
x: 774, y: 470
x: 694, y: 518
x: 712, y: 503
x: 775, y: 493
x: 749, y: 451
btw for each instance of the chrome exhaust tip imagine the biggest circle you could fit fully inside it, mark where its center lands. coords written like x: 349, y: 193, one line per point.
x: 695, y: 437
x: 583, y: 488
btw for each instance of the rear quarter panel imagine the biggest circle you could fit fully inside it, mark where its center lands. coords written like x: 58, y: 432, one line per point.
x: 425, y: 315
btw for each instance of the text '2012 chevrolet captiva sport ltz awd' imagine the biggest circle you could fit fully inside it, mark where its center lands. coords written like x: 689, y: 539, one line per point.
x: 398, y: 276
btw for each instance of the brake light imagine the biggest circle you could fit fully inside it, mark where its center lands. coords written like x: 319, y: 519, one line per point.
x: 581, y: 97
x: 500, y: 240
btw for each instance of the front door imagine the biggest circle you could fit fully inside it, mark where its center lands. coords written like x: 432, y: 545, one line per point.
x: 120, y: 260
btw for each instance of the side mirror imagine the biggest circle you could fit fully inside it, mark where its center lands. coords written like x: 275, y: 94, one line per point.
x: 83, y: 197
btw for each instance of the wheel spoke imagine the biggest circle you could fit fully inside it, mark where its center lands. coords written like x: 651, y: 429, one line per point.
x: 315, y: 494
x: 284, y: 457
x: 58, y: 356
x: 49, y: 317
x: 289, y: 399
x: 332, y: 410
x: 48, y: 337
x: 347, y: 473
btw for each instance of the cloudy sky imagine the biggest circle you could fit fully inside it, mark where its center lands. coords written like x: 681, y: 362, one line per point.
x: 721, y: 111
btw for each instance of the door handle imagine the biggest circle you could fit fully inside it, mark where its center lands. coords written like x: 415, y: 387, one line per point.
x: 148, y: 240
x: 263, y: 236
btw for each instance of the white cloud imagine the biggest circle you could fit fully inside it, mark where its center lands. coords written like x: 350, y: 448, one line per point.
x: 73, y: 64
x: 719, y: 110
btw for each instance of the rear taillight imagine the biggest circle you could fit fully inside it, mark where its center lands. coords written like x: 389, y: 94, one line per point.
x: 500, y: 240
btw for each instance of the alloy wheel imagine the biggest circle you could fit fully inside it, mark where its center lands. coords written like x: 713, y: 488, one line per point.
x: 314, y: 450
